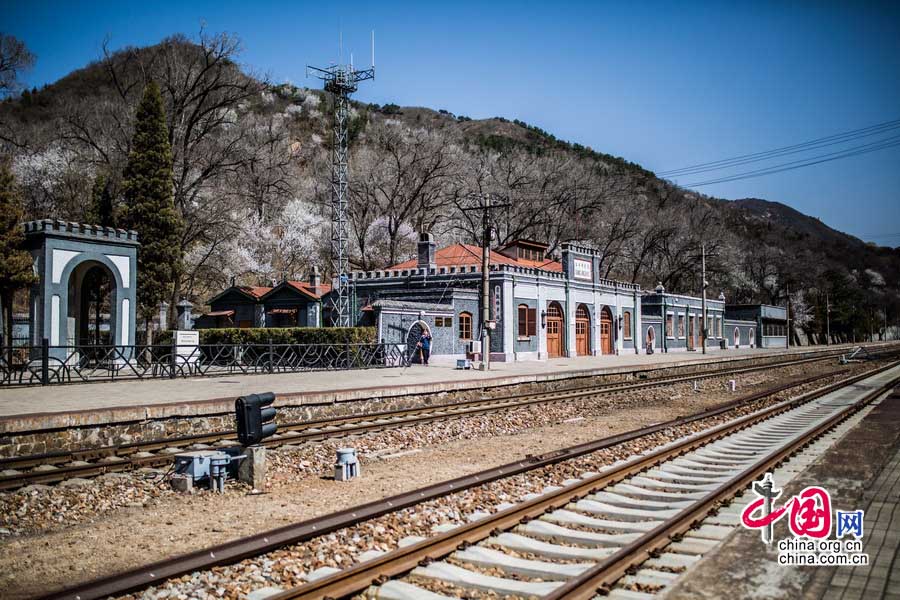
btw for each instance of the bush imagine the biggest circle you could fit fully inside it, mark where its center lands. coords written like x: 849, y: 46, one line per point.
x: 282, y: 335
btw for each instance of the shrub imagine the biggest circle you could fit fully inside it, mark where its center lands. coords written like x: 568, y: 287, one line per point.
x: 282, y: 335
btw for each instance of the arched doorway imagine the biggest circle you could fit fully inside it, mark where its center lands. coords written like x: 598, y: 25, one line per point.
x: 737, y: 337
x: 413, y: 335
x: 606, y: 340
x: 91, y: 310
x: 582, y: 330
x: 555, y: 330
x: 651, y: 337
x: 751, y: 337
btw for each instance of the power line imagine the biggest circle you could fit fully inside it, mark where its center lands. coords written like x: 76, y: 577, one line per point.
x: 807, y: 162
x: 792, y: 149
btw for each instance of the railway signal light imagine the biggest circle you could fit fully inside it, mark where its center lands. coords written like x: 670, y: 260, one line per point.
x: 255, y: 418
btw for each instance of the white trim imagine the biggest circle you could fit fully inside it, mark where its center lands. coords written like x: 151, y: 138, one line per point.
x: 61, y: 258
x: 123, y: 264
x: 126, y: 307
x: 54, y: 320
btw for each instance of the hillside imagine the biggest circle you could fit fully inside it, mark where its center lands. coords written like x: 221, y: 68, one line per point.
x: 252, y: 168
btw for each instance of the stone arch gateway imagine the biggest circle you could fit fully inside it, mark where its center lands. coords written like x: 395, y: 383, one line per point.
x: 64, y: 255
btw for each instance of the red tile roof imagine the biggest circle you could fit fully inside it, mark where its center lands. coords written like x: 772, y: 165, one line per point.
x: 465, y: 255
x: 306, y: 288
x: 255, y: 291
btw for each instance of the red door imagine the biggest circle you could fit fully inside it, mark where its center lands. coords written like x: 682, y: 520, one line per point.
x: 554, y: 330
x: 606, y: 342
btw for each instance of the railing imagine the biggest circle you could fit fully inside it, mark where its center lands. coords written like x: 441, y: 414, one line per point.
x: 48, y: 365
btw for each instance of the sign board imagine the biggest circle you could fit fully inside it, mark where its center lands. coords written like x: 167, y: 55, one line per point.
x: 583, y: 269
x: 187, y: 345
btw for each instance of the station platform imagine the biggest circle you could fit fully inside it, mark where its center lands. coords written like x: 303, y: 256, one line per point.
x: 87, y: 404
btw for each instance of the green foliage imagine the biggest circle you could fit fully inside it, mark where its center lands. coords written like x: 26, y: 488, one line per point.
x: 149, y: 207
x: 283, y: 335
x: 102, y: 210
x: 15, y: 267
x: 391, y: 109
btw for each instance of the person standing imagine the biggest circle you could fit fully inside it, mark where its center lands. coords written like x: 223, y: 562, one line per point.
x: 425, y: 346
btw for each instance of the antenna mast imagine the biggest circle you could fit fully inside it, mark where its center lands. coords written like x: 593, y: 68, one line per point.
x: 341, y: 81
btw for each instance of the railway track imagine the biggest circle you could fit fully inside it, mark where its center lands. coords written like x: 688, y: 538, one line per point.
x: 54, y: 467
x: 358, y: 578
x: 583, y: 538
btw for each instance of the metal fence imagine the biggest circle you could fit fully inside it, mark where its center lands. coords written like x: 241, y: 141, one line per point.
x: 48, y: 365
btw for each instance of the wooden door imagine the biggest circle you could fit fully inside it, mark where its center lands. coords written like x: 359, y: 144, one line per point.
x: 606, y: 341
x: 690, y: 335
x: 554, y: 330
x: 582, y: 329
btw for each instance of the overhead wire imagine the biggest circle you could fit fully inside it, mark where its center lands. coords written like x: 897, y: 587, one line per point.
x: 830, y: 140
x: 806, y: 162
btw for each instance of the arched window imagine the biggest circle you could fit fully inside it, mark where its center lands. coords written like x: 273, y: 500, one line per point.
x: 751, y: 337
x: 626, y: 325
x: 737, y: 337
x: 582, y: 312
x: 465, y: 326
x: 554, y: 310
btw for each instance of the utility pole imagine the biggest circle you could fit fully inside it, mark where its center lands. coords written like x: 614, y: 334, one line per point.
x: 486, y: 207
x: 341, y: 81
x: 788, y: 291
x: 703, y: 296
x: 827, y: 320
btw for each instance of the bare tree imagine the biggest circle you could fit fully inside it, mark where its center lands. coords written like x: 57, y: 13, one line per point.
x: 15, y: 58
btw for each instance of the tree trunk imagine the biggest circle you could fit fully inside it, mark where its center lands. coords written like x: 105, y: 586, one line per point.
x: 6, y: 301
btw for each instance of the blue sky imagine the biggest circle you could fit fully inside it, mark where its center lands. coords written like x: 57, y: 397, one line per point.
x: 664, y: 84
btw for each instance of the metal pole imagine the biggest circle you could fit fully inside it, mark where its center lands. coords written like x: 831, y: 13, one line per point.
x: 485, y: 281
x: 827, y: 320
x: 788, y: 290
x: 45, y: 361
x: 703, y: 296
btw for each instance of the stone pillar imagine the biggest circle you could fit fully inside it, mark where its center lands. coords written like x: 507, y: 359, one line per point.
x: 508, y: 322
x: 252, y: 469
x: 163, y: 315
x: 184, y: 321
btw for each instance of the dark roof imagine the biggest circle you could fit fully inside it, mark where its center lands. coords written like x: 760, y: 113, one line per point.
x: 253, y: 293
x: 305, y: 289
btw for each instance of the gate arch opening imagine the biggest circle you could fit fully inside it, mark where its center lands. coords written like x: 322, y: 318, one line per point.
x: 91, y: 312
x: 413, y: 335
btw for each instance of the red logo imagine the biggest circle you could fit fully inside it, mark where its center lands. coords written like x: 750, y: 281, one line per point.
x: 810, y: 513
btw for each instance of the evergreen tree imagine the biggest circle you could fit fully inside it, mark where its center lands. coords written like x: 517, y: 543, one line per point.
x: 16, y: 267
x: 103, y: 209
x: 149, y: 206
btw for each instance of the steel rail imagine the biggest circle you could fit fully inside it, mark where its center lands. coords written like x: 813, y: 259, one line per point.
x: 601, y: 577
x: 302, y: 432
x: 255, y: 545
x: 359, y: 577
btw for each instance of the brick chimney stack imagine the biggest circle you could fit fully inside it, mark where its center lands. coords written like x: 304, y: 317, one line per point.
x: 315, y: 280
x: 427, y: 259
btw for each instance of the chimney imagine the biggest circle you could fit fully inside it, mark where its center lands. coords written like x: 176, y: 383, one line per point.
x: 315, y: 280
x: 427, y: 259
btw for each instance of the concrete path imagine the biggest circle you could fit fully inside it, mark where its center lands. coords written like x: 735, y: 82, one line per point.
x: 91, y: 396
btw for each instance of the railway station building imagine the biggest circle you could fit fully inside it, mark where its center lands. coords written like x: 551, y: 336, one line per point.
x: 539, y: 307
